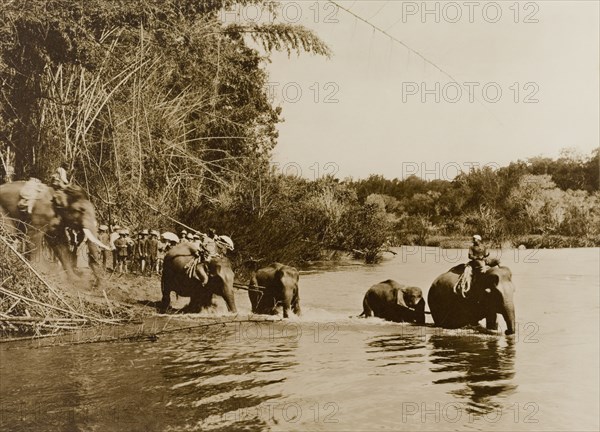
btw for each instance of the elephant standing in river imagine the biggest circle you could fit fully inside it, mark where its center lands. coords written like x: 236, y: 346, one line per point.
x: 279, y: 284
x: 394, y: 302
x: 491, y: 293
x: 177, y: 276
x: 51, y: 214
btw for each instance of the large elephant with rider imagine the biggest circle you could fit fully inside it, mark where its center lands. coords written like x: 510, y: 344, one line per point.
x: 393, y: 301
x: 55, y: 216
x: 491, y: 293
x: 187, y: 274
x: 272, y: 287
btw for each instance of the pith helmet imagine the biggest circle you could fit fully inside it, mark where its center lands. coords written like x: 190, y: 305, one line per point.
x: 226, y: 241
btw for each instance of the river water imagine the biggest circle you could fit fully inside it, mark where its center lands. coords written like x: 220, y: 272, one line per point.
x: 331, y: 371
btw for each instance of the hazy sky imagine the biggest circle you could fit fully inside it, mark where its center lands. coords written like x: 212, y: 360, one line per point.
x: 377, y: 120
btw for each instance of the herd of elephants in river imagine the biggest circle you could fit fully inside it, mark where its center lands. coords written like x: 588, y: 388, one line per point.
x: 273, y: 287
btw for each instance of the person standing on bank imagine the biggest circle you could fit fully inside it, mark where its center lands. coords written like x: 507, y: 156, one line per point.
x: 121, y: 246
x: 141, y: 251
x: 104, y: 237
x: 152, y: 251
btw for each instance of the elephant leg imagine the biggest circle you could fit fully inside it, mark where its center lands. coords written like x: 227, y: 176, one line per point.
x: 33, y: 247
x: 222, y: 285
x: 228, y: 296
x: 491, y: 316
x: 253, y: 296
x: 296, y: 304
x: 165, y: 302
x: 95, y: 262
x: 196, y: 304
x: 166, y: 295
x: 12, y: 232
x: 287, y: 302
x: 66, y: 259
x: 491, y: 320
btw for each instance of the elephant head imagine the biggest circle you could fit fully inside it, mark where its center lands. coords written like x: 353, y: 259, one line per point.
x: 498, y: 287
x: 77, y: 212
x: 49, y: 214
x: 410, y: 298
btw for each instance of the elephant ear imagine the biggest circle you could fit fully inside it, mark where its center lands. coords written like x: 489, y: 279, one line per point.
x: 60, y: 200
x: 497, y: 276
x: 400, y: 298
x: 492, y: 281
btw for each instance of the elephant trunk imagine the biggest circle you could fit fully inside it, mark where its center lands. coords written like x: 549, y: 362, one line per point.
x: 509, y: 314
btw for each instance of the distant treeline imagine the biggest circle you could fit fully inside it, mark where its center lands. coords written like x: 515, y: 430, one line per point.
x: 153, y: 104
x: 541, y: 202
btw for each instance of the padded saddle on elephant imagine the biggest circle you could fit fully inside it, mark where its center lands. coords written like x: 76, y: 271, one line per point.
x: 467, y: 272
x: 197, y: 268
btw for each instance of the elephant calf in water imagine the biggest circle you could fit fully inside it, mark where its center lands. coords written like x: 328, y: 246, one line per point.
x: 279, y: 284
x: 394, y: 302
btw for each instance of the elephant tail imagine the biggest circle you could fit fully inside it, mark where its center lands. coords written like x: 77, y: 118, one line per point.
x: 367, y: 311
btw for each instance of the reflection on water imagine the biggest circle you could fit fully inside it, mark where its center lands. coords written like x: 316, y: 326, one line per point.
x: 482, y: 367
x: 214, y: 382
x: 198, y: 381
x: 396, y: 350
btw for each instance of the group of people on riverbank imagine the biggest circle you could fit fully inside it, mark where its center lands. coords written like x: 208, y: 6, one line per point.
x: 144, y: 252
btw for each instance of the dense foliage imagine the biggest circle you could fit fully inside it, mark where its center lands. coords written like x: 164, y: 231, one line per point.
x: 538, y: 202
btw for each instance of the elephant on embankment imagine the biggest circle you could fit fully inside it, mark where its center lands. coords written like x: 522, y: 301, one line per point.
x: 277, y: 286
x: 184, y: 273
x: 49, y: 215
x: 394, y: 302
x: 491, y: 293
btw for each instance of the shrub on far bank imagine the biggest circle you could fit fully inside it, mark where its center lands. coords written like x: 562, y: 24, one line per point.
x: 449, y: 242
x: 552, y: 241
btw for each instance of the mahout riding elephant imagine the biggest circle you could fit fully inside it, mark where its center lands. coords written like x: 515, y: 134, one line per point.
x: 491, y: 293
x: 278, y: 286
x: 184, y: 273
x: 52, y: 216
x: 394, y: 302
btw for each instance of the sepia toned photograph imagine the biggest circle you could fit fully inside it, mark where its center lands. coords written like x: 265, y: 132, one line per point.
x: 299, y: 215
